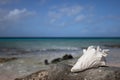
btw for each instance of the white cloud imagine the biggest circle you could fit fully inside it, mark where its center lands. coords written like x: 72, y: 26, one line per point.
x: 63, y: 14
x: 17, y: 14
x: 66, y: 15
x: 65, y: 10
x: 43, y: 1
x: 70, y: 11
x: 8, y: 18
x: 7, y: 1
x: 79, y: 18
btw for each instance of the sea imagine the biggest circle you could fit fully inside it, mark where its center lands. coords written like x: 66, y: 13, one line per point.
x: 31, y: 52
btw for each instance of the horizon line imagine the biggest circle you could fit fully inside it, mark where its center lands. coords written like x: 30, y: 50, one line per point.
x: 57, y: 37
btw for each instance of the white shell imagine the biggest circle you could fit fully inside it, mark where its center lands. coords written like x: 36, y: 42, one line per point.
x: 92, y: 57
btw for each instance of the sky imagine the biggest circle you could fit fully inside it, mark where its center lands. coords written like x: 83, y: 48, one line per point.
x: 59, y: 18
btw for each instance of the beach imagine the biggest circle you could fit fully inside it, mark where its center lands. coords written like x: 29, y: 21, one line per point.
x: 21, y: 57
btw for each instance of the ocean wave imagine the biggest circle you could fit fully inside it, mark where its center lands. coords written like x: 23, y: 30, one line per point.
x: 17, y: 51
x: 60, y: 49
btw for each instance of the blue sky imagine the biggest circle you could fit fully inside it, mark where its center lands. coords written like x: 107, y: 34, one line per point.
x: 59, y: 18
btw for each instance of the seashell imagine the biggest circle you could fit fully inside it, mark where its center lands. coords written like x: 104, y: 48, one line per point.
x: 92, y: 57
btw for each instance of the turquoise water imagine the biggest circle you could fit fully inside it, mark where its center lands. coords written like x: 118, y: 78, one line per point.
x: 20, y: 46
x: 25, y: 47
x: 53, y: 43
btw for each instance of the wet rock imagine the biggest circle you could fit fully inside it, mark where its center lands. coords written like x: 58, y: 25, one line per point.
x: 2, y: 60
x: 46, y: 62
x: 56, y: 60
x: 66, y: 57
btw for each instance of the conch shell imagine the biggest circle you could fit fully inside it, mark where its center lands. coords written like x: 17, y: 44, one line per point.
x: 92, y: 57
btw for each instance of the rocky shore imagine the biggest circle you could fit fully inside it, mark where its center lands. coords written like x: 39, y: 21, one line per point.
x: 112, y: 46
x: 2, y: 60
x: 62, y: 72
